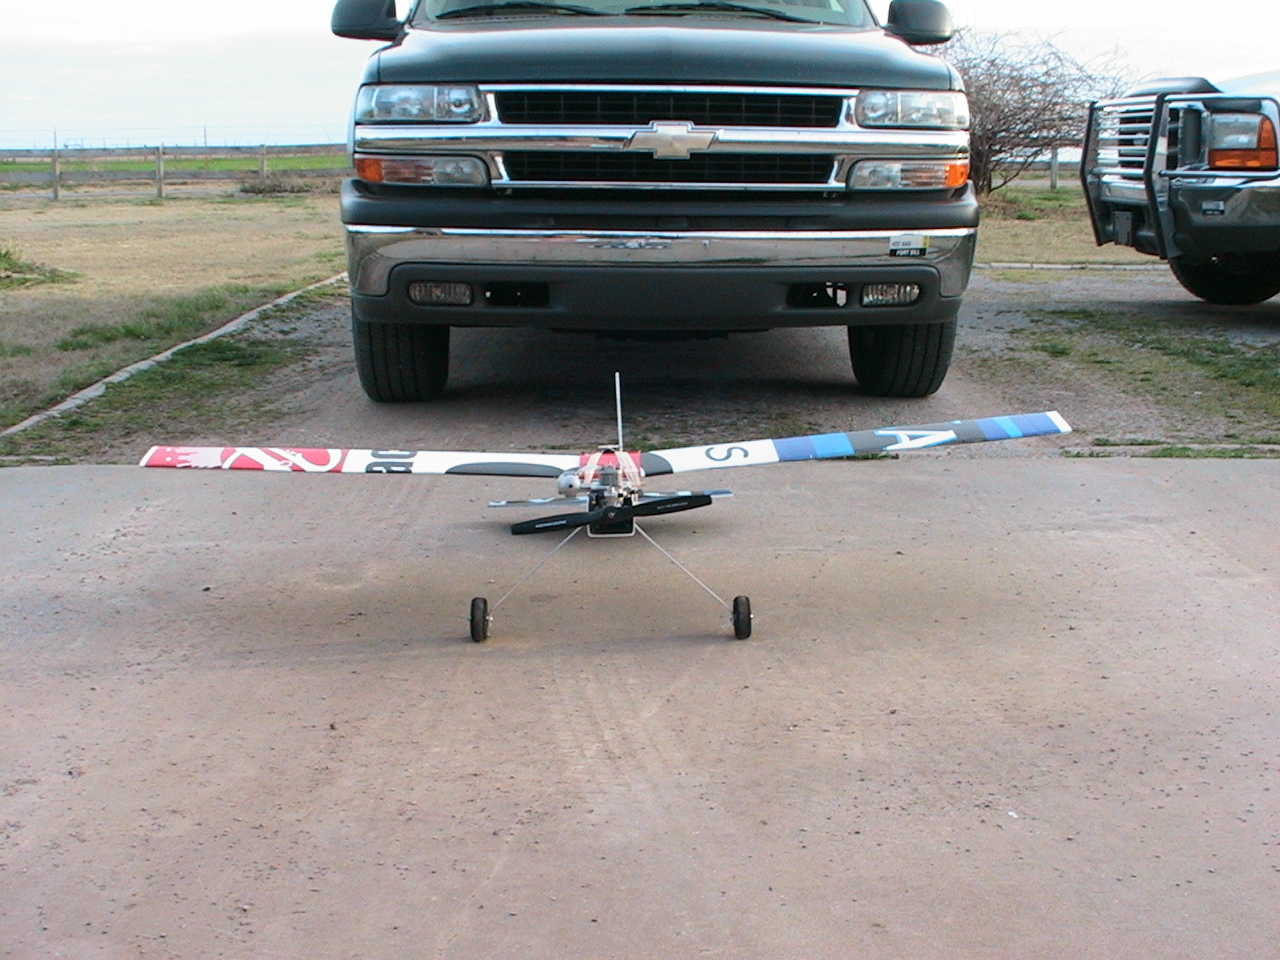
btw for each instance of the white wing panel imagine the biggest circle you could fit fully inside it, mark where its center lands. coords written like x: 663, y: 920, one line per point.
x: 744, y: 453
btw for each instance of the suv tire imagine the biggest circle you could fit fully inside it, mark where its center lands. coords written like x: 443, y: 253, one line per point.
x: 1230, y: 279
x: 901, y: 360
x: 401, y: 362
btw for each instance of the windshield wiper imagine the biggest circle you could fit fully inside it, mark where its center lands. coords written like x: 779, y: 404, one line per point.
x: 691, y: 6
x: 520, y: 6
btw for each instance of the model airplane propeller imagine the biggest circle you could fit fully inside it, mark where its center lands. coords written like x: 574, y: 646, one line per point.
x: 610, y: 481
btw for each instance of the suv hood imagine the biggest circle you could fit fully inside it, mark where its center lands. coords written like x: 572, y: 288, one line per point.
x: 656, y: 50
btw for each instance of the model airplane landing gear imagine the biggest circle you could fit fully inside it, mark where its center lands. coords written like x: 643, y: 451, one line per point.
x: 480, y: 619
x: 739, y: 611
x: 741, y: 617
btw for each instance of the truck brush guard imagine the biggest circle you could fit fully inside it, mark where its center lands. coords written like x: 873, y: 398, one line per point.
x: 1184, y: 174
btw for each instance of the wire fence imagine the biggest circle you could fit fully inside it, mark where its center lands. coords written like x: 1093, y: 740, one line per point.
x: 263, y: 167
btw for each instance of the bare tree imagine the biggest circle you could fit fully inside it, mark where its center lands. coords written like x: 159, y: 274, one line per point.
x: 1025, y: 99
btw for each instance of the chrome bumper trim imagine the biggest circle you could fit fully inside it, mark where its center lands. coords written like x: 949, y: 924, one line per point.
x: 373, y: 251
x: 490, y: 141
x: 495, y: 137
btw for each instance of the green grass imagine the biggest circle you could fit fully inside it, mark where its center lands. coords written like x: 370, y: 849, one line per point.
x: 1182, y: 452
x: 1054, y: 348
x: 1233, y: 363
x: 16, y: 272
x: 175, y: 317
x: 1225, y: 391
x: 95, y: 351
x: 203, y: 388
x: 246, y: 163
x: 1035, y: 202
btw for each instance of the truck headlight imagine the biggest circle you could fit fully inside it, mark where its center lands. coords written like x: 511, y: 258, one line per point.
x: 937, y: 109
x: 397, y: 103
x: 1242, y: 141
x: 909, y: 174
x: 445, y: 171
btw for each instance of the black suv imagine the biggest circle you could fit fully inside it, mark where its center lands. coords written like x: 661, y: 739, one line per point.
x: 677, y: 168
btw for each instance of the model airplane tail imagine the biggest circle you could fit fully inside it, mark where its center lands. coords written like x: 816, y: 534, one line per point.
x: 740, y: 453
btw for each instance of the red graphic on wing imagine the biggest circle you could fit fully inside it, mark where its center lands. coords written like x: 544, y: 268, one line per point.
x: 298, y: 460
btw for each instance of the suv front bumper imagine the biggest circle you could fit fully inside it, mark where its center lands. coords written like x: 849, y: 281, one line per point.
x: 702, y: 276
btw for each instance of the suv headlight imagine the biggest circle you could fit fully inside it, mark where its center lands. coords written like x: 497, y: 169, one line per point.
x: 444, y: 103
x: 1242, y: 141
x: 937, y: 109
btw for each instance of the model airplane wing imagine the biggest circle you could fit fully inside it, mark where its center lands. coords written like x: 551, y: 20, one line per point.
x: 740, y: 453
x: 823, y: 446
x: 322, y: 460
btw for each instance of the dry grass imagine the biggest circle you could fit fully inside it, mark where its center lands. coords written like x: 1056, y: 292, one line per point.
x: 148, y: 275
x: 1033, y: 224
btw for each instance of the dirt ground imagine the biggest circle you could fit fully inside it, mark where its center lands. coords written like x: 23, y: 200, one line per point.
x: 999, y: 703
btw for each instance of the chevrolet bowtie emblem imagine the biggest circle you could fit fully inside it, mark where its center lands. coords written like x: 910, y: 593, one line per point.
x: 670, y: 140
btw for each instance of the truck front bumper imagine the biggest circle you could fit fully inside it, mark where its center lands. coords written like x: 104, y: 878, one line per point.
x: 1194, y: 215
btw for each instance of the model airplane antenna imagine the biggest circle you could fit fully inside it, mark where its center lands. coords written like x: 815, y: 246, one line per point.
x: 617, y: 402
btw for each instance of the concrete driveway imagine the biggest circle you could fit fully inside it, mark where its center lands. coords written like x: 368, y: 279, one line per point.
x: 992, y: 708
x: 999, y: 703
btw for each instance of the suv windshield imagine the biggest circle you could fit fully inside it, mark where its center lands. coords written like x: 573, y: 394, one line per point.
x: 850, y: 13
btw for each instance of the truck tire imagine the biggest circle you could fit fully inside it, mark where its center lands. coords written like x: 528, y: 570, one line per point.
x: 901, y: 360
x: 1230, y: 279
x: 401, y: 362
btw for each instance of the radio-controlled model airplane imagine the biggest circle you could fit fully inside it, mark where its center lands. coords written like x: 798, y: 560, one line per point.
x: 609, y: 483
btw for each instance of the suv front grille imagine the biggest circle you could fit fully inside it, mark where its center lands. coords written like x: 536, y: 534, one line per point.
x: 641, y: 107
x: 544, y: 167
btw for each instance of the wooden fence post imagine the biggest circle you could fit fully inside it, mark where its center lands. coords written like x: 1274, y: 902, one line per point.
x: 1053, y: 168
x: 160, y: 172
x: 262, y: 163
x: 57, y: 174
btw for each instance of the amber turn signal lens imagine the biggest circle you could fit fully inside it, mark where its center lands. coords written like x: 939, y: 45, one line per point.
x: 440, y: 171
x: 1262, y: 156
x: 957, y: 173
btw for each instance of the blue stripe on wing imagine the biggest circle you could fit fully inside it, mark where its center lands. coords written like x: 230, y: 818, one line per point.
x: 816, y: 447
x: 1018, y: 425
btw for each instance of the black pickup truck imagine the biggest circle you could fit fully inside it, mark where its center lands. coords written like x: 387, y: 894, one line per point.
x: 1189, y: 171
x: 656, y: 168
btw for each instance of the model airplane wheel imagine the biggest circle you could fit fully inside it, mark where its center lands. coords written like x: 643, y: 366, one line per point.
x: 741, y: 617
x: 479, y: 619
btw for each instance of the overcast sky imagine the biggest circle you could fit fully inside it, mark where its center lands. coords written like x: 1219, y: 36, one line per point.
x: 249, y: 71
